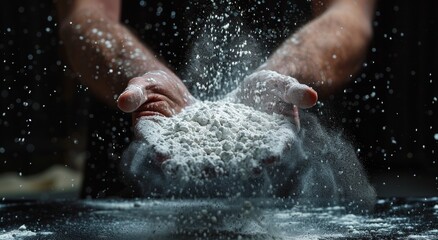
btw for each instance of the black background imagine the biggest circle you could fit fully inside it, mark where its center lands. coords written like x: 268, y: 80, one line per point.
x: 396, y: 128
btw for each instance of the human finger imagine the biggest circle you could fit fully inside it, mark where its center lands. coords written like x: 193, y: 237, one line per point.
x: 162, y: 107
x: 169, y: 85
x: 288, y: 89
x: 133, y: 96
x: 271, y: 160
x: 300, y: 95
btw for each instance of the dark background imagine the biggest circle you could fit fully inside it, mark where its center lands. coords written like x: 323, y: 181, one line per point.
x: 389, y: 110
x: 391, y: 107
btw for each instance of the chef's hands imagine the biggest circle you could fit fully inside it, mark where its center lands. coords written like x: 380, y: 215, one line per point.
x: 163, y: 94
x: 271, y: 92
x: 155, y: 93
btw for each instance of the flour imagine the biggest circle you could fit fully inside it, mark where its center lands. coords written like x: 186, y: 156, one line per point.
x: 211, y: 139
x: 224, y: 149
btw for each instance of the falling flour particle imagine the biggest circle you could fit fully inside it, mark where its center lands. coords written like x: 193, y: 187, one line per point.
x: 216, y: 138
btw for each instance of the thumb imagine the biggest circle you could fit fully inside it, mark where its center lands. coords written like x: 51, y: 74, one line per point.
x: 131, y: 98
x: 301, y: 95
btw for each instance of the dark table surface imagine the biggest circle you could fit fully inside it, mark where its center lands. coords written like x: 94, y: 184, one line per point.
x: 393, y: 218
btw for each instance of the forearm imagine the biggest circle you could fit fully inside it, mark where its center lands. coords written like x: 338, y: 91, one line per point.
x: 104, y: 53
x: 325, y: 52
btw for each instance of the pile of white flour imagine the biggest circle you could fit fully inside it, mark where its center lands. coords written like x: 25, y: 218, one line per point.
x: 215, y: 139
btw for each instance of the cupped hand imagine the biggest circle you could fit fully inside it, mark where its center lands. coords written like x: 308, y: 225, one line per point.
x: 271, y: 92
x: 155, y: 93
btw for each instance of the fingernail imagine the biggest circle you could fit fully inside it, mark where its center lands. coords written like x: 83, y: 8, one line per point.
x: 132, y: 98
x: 135, y: 89
x: 302, y: 95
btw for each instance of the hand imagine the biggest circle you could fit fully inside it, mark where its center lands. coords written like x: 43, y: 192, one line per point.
x: 272, y: 92
x: 156, y: 93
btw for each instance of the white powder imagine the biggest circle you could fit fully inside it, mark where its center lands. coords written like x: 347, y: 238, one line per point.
x: 22, y: 233
x: 216, y: 139
x: 217, y: 149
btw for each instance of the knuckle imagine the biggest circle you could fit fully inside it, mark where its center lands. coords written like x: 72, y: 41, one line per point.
x: 156, y: 87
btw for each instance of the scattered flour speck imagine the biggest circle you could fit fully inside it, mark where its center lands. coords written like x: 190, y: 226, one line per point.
x: 216, y: 138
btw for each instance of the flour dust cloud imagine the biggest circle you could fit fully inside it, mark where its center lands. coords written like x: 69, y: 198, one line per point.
x: 219, y: 148
x: 224, y: 51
